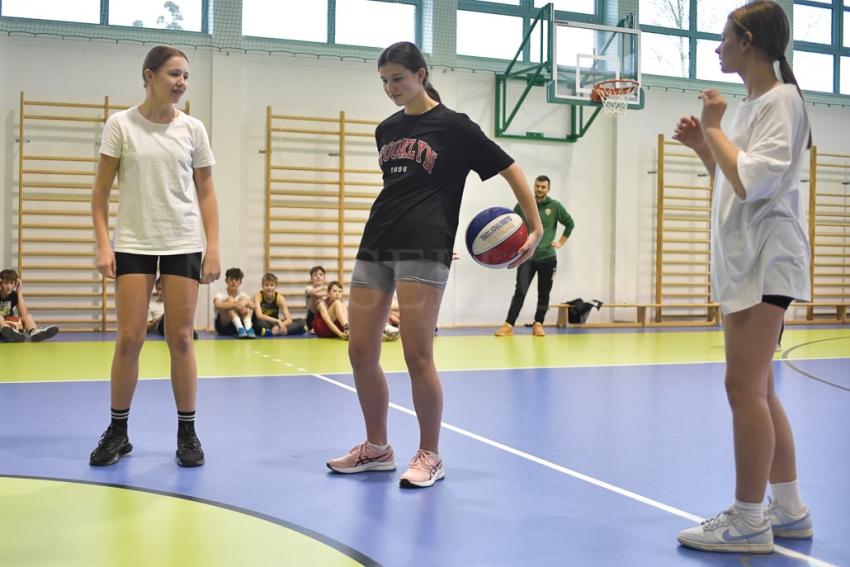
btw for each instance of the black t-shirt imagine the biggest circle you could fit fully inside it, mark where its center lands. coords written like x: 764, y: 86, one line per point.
x: 425, y: 160
x: 9, y: 304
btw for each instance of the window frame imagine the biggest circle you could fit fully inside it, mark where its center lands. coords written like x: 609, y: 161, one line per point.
x: 417, y: 17
x: 836, y: 49
x: 692, y: 34
x: 524, y: 9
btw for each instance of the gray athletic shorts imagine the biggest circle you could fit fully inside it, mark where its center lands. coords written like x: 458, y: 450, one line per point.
x: 384, y: 275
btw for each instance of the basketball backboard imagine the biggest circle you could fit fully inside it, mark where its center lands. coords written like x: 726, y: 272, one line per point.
x: 584, y: 54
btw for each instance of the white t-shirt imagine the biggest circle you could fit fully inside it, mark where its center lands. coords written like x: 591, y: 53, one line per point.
x: 222, y: 295
x: 311, y: 300
x: 758, y: 245
x: 157, y: 205
x: 156, y: 308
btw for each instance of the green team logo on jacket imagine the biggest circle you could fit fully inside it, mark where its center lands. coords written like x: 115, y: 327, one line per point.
x: 548, y: 211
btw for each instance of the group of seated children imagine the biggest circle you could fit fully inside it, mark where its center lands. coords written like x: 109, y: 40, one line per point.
x: 16, y: 322
x: 236, y: 313
x: 266, y: 314
x: 327, y: 314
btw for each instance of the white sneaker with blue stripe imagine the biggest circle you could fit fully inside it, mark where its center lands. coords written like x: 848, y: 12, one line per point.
x: 787, y: 525
x: 728, y: 532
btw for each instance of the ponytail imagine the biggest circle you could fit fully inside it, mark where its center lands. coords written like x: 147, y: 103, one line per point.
x: 788, y: 77
x: 429, y: 88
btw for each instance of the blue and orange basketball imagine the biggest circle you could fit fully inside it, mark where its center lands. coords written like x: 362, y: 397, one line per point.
x: 495, y: 236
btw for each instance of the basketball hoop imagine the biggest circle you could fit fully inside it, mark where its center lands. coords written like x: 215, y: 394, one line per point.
x: 614, y: 95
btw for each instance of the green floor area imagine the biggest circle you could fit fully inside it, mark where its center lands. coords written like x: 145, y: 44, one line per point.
x: 91, y: 360
x: 107, y: 522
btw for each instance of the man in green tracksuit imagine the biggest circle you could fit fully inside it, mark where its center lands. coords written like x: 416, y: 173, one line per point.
x: 544, y: 261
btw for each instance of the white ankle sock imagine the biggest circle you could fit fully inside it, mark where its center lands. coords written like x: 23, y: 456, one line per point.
x: 237, y: 322
x: 247, y: 321
x: 379, y: 447
x: 787, y: 495
x: 752, y: 512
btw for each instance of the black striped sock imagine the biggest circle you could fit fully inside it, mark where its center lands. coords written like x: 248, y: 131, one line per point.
x: 185, y: 421
x: 120, y: 417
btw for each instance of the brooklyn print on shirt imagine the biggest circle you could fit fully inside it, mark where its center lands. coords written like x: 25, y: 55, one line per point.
x: 408, y: 148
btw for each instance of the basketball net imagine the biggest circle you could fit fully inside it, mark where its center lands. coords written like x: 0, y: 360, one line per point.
x: 614, y: 95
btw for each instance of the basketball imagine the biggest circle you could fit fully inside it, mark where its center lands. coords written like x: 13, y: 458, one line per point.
x: 494, y: 237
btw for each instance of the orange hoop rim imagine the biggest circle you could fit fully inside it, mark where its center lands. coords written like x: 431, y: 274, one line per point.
x: 610, y: 87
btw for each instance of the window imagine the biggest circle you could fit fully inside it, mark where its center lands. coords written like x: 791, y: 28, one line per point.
x: 286, y: 19
x: 185, y: 15
x: 820, y: 51
x: 813, y: 24
x: 367, y: 23
x: 170, y: 15
x: 711, y: 16
x: 84, y: 11
x: 581, y: 6
x: 374, y: 24
x: 667, y: 14
x: 665, y: 55
x: 846, y: 42
x: 486, y: 35
x: 495, y: 28
x: 708, y: 63
x: 670, y: 43
x: 680, y: 36
x: 813, y: 71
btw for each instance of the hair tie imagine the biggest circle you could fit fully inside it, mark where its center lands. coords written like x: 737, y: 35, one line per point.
x: 781, y: 58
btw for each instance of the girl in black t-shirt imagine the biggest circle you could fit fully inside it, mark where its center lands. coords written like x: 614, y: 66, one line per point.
x: 425, y: 152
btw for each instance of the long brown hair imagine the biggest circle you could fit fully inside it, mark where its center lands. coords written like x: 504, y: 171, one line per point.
x: 408, y: 56
x: 765, y: 25
x: 157, y: 57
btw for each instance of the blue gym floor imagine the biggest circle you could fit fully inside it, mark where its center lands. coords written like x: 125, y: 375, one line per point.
x: 598, y: 465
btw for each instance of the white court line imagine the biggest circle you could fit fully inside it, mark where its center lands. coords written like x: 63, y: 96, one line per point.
x: 211, y: 377
x: 595, y: 365
x: 575, y: 474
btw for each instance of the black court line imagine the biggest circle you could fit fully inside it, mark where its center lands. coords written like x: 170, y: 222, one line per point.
x: 792, y: 366
x: 362, y: 558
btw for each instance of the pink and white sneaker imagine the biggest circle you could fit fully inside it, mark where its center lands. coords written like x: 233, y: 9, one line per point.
x: 363, y: 458
x: 425, y: 469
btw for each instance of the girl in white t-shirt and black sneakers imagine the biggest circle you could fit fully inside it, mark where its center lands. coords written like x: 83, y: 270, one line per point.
x: 759, y: 263
x: 166, y: 210
x: 425, y: 152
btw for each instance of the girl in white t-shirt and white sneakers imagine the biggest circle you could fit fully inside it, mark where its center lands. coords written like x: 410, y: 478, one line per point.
x: 759, y: 263
x: 167, y: 209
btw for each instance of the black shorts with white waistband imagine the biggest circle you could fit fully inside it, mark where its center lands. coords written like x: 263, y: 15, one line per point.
x: 184, y: 265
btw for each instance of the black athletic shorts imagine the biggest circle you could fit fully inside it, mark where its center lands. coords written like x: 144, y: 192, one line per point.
x: 781, y: 301
x: 185, y: 265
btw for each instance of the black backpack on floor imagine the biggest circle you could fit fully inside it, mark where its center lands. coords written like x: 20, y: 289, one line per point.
x: 579, y: 310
